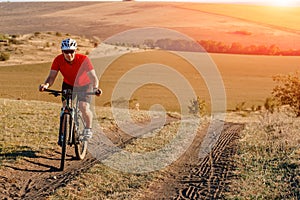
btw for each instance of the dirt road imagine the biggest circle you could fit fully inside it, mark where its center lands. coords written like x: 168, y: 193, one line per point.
x: 193, y: 177
x: 37, y: 176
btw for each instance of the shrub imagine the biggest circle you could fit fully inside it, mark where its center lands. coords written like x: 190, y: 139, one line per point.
x: 47, y: 44
x: 240, y: 106
x: 198, y: 106
x: 3, y: 36
x: 270, y: 104
x: 287, y: 91
x: 256, y: 108
x: 37, y: 33
x: 58, y: 34
x: 15, y: 41
x: 4, y: 56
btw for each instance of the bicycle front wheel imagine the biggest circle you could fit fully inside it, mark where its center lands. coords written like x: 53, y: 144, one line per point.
x: 80, y: 144
x: 65, y: 128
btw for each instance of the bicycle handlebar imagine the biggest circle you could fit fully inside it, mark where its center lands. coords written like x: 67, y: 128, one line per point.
x: 57, y: 93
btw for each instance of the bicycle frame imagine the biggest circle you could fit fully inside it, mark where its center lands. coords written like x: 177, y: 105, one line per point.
x: 70, y: 119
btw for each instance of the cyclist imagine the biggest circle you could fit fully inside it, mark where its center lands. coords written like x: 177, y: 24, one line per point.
x: 79, y: 75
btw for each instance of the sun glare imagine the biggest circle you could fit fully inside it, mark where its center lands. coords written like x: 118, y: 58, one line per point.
x: 282, y: 3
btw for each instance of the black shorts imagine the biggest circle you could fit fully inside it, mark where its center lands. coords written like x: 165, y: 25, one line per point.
x: 81, y: 97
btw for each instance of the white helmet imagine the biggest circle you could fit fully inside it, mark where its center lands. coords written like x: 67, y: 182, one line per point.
x: 69, y: 44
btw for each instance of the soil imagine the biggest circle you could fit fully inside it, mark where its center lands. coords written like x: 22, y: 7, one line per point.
x: 37, y: 176
x: 201, y: 177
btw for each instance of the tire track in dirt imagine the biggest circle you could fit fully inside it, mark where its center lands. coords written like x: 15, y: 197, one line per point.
x: 210, y: 177
x: 196, y: 174
x: 22, y: 181
x: 46, y: 185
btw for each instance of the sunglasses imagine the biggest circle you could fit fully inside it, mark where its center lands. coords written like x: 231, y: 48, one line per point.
x: 68, y: 51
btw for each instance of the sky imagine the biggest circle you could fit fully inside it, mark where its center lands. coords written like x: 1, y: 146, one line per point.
x: 283, y: 3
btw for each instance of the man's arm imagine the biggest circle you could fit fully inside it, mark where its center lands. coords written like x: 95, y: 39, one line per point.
x: 49, y: 81
x: 95, y: 82
x: 94, y: 79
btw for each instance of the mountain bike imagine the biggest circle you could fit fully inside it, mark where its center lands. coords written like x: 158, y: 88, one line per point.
x: 71, y: 125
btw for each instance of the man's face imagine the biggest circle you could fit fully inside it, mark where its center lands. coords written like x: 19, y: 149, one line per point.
x: 69, y: 55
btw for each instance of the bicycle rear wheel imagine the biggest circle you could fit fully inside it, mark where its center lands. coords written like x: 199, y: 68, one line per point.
x: 65, y: 128
x: 80, y: 144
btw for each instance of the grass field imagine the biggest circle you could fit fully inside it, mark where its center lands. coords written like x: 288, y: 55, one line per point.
x: 246, y: 79
x: 268, y: 159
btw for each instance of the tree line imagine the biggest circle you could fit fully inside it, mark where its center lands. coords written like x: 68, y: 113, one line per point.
x: 211, y: 46
x: 237, y: 48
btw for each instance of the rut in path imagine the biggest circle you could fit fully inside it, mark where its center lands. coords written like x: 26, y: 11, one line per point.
x: 209, y: 179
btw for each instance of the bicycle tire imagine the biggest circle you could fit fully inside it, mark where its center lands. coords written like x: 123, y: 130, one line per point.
x: 80, y: 145
x: 65, y: 129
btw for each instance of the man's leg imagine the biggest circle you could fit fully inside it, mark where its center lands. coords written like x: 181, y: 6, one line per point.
x: 87, y: 114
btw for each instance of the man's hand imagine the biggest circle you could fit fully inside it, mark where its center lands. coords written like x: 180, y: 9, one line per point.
x: 43, y: 86
x: 97, y: 91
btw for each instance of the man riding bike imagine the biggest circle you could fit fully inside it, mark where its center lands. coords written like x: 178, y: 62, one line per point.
x: 79, y: 75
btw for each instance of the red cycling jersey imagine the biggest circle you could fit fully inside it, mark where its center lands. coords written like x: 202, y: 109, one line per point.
x: 74, y: 73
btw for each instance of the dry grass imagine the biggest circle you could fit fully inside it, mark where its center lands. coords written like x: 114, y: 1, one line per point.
x: 102, y: 182
x: 268, y: 159
x: 27, y: 126
x: 40, y: 47
x: 249, y: 79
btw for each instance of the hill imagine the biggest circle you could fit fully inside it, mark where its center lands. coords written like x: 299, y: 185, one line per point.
x: 199, y: 21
